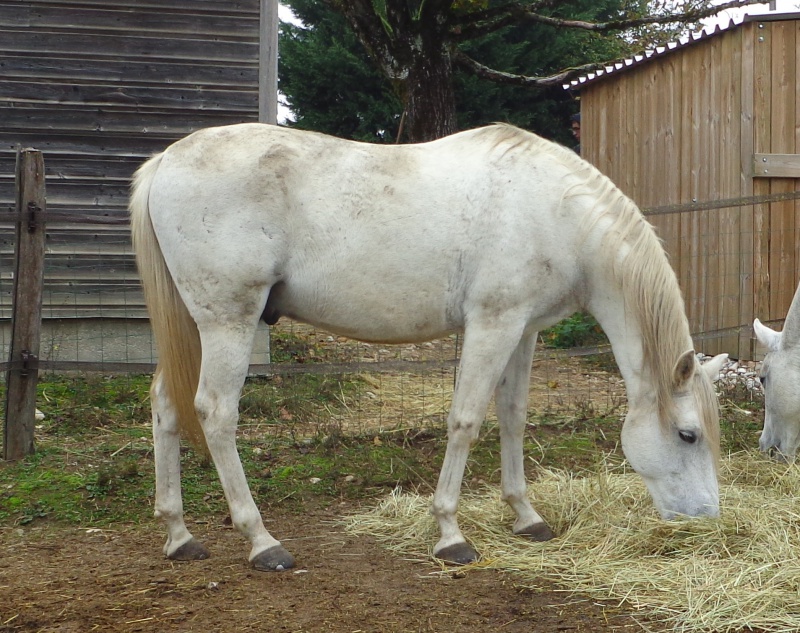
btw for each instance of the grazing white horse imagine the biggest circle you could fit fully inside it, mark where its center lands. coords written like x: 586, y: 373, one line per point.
x: 493, y: 232
x: 780, y: 378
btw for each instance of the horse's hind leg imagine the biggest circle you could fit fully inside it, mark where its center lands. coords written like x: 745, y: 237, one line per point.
x: 511, y: 403
x: 226, y: 355
x: 180, y: 544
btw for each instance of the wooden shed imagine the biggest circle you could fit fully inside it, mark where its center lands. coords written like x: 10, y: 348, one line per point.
x: 708, y: 120
x: 99, y: 86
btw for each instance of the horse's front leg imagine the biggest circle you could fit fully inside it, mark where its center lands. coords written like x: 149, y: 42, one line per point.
x: 484, y: 355
x: 511, y: 403
x: 226, y: 354
x: 180, y: 545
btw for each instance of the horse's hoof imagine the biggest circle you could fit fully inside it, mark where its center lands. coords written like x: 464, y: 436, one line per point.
x: 190, y: 550
x: 458, y: 554
x: 536, y: 532
x: 275, y: 558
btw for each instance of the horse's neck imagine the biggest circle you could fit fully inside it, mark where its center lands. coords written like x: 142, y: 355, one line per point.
x: 628, y: 347
x: 628, y: 344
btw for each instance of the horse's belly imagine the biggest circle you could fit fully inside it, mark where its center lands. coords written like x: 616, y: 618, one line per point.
x: 372, y: 315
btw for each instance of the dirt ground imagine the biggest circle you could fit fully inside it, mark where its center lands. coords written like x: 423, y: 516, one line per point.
x: 78, y: 580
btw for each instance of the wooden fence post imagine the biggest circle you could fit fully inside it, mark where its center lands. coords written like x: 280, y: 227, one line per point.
x: 26, y: 320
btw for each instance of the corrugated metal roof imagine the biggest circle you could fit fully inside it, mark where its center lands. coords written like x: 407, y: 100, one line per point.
x: 661, y: 51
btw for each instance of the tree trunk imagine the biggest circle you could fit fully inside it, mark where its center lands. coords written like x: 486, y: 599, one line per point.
x: 413, y: 53
x: 429, y: 94
x: 430, y: 99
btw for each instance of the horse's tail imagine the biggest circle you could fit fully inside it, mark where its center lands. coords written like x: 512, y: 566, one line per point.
x: 175, y: 332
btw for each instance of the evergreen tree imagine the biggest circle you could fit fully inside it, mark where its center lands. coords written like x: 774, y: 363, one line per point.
x: 431, y: 67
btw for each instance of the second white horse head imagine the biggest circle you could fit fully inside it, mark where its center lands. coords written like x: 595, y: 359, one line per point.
x: 780, y: 378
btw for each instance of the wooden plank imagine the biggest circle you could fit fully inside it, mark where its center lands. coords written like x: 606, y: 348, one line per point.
x: 127, y: 311
x: 95, y: 144
x: 649, y: 148
x: 762, y: 109
x: 27, y: 302
x: 776, y: 165
x: 627, y: 137
x: 71, y: 94
x: 74, y: 167
x: 126, y: 47
x: 603, y: 126
x: 782, y: 226
x: 702, y: 243
x: 111, y: 70
x: 108, y: 126
x: 711, y: 252
x: 729, y: 73
x: 636, y: 135
x: 797, y: 149
x: 666, y: 164
x: 268, y: 63
x: 110, y: 19
x: 689, y: 237
x: 228, y: 7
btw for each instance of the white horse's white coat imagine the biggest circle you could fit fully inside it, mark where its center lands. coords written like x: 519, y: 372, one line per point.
x: 780, y: 378
x: 493, y: 232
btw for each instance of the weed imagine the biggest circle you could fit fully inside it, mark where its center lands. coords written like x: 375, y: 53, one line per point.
x: 579, y: 330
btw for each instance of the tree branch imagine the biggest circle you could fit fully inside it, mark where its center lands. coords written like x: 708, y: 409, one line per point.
x: 468, y: 64
x: 621, y: 25
x: 483, y: 22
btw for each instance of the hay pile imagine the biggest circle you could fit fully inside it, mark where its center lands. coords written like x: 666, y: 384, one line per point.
x: 738, y: 572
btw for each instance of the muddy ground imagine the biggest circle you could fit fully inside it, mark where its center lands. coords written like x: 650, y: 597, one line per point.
x: 78, y: 580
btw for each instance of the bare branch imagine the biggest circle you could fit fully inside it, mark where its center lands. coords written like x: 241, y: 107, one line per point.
x: 620, y: 25
x: 470, y: 65
x: 481, y: 23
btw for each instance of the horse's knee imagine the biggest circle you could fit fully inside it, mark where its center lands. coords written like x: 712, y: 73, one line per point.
x: 464, y: 431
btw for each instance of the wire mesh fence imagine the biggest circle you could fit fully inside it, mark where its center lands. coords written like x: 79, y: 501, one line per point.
x: 94, y: 323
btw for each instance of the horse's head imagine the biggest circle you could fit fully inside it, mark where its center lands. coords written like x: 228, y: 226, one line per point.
x: 780, y: 379
x: 675, y: 446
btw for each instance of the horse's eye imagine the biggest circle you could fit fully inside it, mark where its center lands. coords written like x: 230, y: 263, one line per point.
x: 688, y: 436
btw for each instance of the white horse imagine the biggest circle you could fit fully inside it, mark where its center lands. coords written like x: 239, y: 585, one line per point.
x: 493, y: 232
x: 780, y: 378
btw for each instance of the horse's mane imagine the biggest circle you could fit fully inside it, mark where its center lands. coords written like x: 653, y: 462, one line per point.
x: 649, y: 283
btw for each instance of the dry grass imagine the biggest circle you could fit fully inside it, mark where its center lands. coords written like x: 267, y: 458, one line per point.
x: 388, y: 400
x: 740, y: 572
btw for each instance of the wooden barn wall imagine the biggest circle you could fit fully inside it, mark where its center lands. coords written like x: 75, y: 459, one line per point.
x: 683, y: 128
x: 99, y: 86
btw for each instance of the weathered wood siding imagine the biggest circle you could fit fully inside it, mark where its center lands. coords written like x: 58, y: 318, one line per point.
x: 99, y: 86
x: 694, y: 124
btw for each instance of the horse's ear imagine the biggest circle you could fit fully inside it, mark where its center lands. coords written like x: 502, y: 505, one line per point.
x: 684, y: 369
x: 714, y: 366
x: 768, y: 337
